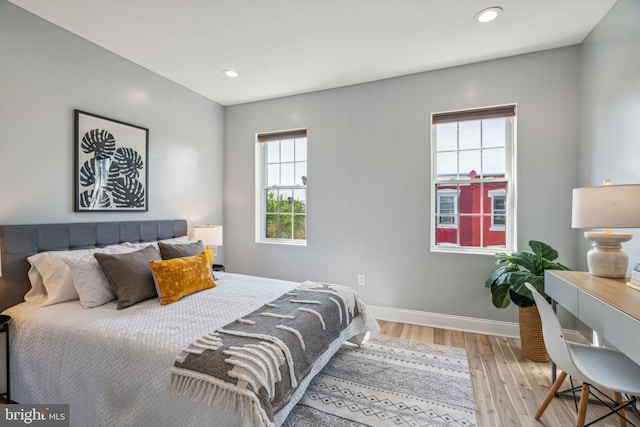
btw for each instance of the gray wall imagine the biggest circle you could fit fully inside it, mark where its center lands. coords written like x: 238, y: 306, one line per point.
x: 610, y: 130
x: 369, y: 164
x: 369, y: 180
x: 46, y: 73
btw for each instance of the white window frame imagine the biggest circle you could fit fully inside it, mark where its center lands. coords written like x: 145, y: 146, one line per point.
x: 449, y: 192
x: 262, y: 188
x: 493, y: 194
x: 510, y: 193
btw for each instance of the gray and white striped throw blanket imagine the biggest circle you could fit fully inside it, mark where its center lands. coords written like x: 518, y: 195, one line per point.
x: 253, y: 365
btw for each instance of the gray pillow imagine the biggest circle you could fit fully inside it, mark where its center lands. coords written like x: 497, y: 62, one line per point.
x: 178, y: 251
x: 130, y: 275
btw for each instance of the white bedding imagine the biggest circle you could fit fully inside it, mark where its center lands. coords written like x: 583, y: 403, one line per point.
x: 91, y: 358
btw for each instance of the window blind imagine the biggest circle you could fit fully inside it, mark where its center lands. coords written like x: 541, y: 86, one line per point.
x: 475, y: 114
x: 277, y: 136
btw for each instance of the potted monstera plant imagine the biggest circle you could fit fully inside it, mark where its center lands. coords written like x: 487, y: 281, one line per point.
x: 507, y: 285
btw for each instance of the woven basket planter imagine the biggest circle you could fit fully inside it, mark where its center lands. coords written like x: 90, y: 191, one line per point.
x: 531, y: 341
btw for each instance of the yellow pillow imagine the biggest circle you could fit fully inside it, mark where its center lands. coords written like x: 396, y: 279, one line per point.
x: 209, y: 253
x: 176, y: 278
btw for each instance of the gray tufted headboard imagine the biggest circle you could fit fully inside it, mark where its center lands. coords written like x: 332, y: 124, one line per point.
x: 17, y: 242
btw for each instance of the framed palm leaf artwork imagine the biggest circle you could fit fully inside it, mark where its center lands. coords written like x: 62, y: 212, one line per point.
x: 111, y: 165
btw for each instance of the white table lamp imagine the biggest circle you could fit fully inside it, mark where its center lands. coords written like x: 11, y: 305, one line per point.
x: 211, y: 235
x: 606, y: 206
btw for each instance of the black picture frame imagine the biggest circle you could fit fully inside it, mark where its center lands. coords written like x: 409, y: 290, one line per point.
x: 111, y: 168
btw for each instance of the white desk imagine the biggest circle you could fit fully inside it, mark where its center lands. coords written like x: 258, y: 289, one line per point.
x: 607, y: 306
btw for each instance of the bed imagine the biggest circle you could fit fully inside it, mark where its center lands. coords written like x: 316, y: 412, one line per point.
x: 116, y: 367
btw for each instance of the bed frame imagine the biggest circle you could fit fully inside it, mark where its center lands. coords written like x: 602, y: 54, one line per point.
x: 17, y: 242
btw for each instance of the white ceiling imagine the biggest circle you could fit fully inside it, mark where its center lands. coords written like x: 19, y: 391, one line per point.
x: 286, y: 47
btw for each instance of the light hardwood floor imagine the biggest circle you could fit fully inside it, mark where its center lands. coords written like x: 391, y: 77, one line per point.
x: 507, y: 388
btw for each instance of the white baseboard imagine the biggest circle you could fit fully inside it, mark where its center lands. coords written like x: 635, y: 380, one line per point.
x: 458, y: 323
x: 446, y: 321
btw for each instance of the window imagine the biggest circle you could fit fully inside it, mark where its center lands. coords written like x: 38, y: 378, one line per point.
x: 281, y: 182
x: 473, y: 188
x: 498, y: 209
x: 447, y: 206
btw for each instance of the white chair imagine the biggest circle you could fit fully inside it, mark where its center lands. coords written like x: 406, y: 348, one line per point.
x: 590, y: 364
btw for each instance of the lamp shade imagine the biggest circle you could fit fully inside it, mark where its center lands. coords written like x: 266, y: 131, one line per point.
x: 606, y: 206
x: 211, y: 235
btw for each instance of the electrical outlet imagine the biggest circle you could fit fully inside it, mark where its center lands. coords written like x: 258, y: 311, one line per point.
x: 361, y: 279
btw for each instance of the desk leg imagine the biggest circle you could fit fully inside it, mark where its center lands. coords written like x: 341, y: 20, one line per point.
x: 554, y: 373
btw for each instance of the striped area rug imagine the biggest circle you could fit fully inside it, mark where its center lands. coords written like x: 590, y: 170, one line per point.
x: 389, y: 382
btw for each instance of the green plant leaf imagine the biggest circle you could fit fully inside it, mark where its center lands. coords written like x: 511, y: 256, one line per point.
x: 502, y: 257
x: 536, y: 247
x: 500, y: 296
x: 550, y: 265
x: 520, y: 277
x: 543, y: 250
x: 528, y: 261
x: 518, y: 283
x: 500, y: 275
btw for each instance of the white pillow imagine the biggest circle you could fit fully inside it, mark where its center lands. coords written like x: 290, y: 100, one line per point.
x: 172, y: 241
x: 93, y: 287
x: 52, y: 279
x: 37, y: 294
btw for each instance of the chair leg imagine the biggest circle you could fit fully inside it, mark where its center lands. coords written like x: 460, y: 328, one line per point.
x: 582, y: 406
x: 618, y: 398
x: 551, y: 394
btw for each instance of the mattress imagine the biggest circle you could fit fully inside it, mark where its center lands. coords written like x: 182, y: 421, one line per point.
x: 113, y: 366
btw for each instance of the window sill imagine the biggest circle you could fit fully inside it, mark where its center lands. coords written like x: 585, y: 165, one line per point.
x: 466, y: 250
x: 287, y: 242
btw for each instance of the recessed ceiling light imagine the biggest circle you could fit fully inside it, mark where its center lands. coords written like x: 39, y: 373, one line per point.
x: 231, y: 73
x: 488, y: 15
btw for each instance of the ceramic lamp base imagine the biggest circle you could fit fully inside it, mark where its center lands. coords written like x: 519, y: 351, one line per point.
x: 607, y: 259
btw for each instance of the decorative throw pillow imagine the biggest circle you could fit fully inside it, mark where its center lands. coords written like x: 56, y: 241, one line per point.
x: 178, y: 277
x: 130, y: 275
x: 209, y: 253
x: 89, y: 279
x: 169, y: 251
x: 90, y: 282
